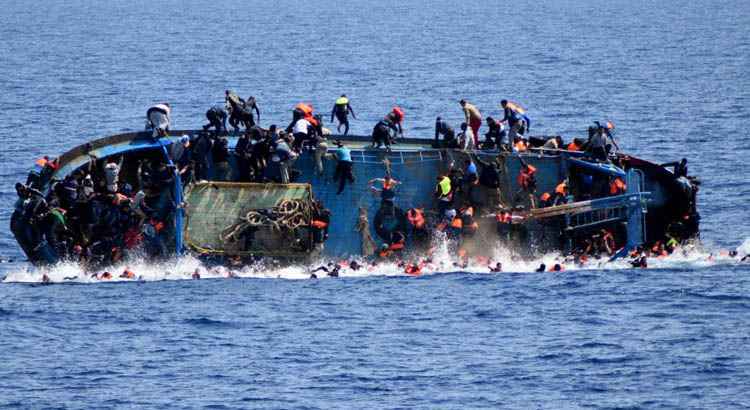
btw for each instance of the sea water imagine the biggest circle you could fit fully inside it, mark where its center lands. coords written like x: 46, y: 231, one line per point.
x: 672, y: 75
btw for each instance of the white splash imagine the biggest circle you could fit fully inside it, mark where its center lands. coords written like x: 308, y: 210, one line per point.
x: 442, y: 261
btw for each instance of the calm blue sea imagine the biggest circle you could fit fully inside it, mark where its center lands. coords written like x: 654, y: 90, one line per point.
x: 673, y: 75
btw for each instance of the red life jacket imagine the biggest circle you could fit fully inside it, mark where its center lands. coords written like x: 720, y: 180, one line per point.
x: 562, y: 189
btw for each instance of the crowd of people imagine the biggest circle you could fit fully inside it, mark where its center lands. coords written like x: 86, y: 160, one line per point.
x: 95, y: 218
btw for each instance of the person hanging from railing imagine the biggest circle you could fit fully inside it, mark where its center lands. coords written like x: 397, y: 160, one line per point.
x: 444, y: 193
x: 561, y: 193
x: 344, y: 166
x: 387, y: 190
x: 321, y: 219
x: 526, y: 182
x: 617, y: 186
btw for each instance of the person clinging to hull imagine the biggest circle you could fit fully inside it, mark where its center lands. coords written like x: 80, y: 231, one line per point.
x: 344, y: 165
x: 442, y: 128
x: 473, y: 118
x: 341, y: 110
x: 158, y: 119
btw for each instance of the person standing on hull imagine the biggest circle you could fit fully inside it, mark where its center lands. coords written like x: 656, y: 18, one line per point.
x: 473, y: 119
x: 158, y: 119
x: 514, y: 115
x: 241, y: 111
x: 251, y: 105
x: 442, y: 128
x: 217, y: 119
x: 341, y: 110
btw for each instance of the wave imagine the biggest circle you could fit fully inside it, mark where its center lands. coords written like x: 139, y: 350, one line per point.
x: 186, y: 267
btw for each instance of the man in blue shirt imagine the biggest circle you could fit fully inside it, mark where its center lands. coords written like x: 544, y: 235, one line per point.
x: 343, y: 167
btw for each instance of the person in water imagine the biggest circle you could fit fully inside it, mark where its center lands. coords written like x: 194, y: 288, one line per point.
x: 332, y: 270
x: 341, y: 110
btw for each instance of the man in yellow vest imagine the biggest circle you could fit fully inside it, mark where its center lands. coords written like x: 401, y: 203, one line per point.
x: 341, y: 110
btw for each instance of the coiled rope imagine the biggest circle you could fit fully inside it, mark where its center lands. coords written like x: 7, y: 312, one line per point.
x: 288, y: 215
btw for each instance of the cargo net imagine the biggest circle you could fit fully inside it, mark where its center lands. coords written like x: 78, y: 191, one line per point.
x: 227, y: 218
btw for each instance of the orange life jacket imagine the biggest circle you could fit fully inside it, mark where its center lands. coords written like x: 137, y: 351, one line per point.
x: 562, y: 189
x: 415, y: 217
x: 398, y: 114
x: 573, y: 147
x: 457, y: 223
x: 521, y: 146
x: 526, y: 176
x: 317, y: 224
x: 617, y: 186
x: 545, y: 196
x: 396, y: 246
x: 307, y: 113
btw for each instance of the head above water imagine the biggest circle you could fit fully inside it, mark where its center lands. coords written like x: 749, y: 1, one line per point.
x: 462, y: 102
x: 504, y: 103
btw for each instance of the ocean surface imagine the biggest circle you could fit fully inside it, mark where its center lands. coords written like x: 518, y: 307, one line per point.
x: 673, y: 75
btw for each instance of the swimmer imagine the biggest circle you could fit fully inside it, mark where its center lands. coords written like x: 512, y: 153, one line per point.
x: 46, y: 280
x: 196, y: 274
x: 557, y: 268
x: 313, y: 276
x: 497, y: 268
x: 639, y: 262
x: 332, y: 269
x: 355, y: 265
x: 127, y: 274
x: 541, y: 268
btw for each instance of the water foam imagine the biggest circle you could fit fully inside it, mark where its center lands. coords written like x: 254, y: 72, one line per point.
x: 442, y: 261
